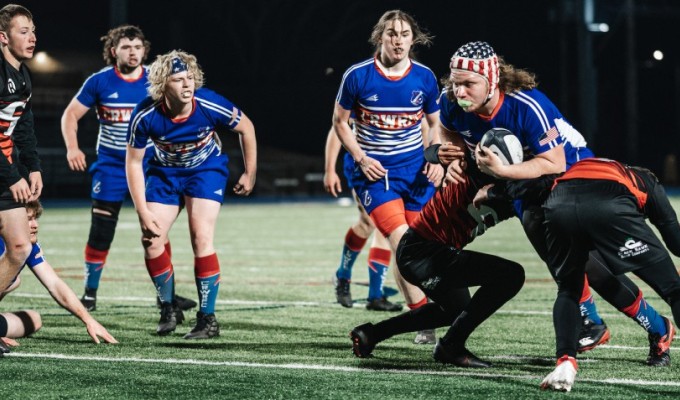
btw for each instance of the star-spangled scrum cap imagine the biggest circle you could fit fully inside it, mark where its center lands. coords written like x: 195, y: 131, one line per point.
x: 479, y: 58
x: 178, y: 66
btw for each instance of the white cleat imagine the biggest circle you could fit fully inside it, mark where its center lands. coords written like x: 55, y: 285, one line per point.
x: 562, y: 378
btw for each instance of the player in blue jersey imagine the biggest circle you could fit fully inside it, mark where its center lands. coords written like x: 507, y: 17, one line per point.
x: 379, y: 254
x: 181, y: 118
x: 20, y: 174
x: 23, y: 323
x: 389, y: 95
x: 484, y: 92
x: 114, y: 91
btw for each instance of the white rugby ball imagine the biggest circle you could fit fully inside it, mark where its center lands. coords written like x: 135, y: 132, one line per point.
x: 504, y: 144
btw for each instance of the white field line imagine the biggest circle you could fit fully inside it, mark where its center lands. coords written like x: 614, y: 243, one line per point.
x: 332, y: 368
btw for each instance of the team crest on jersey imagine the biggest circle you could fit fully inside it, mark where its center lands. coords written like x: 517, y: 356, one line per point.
x: 367, y: 199
x: 632, y: 248
x: 417, y: 97
x: 466, y: 133
x: 11, y: 87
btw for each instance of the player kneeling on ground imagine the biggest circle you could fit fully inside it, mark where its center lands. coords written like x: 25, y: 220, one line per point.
x: 23, y: 323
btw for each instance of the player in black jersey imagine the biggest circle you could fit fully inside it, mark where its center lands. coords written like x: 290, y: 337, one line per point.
x: 20, y: 174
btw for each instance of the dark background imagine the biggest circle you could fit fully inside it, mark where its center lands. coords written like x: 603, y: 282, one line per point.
x: 281, y: 61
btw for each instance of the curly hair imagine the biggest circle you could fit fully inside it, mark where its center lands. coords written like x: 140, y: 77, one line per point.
x: 420, y: 36
x: 8, y: 12
x: 511, y: 80
x: 115, y: 35
x: 161, y: 69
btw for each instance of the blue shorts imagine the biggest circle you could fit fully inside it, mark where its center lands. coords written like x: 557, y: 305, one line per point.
x: 169, y: 185
x: 406, y: 182
x: 108, y: 177
x: 348, y: 168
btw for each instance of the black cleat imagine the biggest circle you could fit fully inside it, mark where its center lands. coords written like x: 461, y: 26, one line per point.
x: 183, y: 303
x: 342, y: 293
x: 206, y: 327
x: 460, y: 357
x: 382, y: 304
x: 4, y: 348
x: 362, y: 344
x: 660, y: 347
x: 592, y: 335
x: 89, y: 299
x: 171, y: 316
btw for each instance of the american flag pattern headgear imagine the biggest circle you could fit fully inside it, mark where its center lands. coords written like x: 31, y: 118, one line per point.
x: 479, y: 58
x: 178, y: 65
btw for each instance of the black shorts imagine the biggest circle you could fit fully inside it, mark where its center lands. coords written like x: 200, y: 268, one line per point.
x: 581, y: 215
x: 7, y: 201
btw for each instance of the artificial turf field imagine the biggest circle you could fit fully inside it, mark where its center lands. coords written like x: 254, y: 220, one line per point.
x: 282, y: 335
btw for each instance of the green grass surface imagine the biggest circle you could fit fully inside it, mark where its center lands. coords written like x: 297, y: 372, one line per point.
x: 282, y: 335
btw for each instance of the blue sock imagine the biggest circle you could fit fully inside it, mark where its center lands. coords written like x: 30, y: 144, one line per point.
x: 589, y: 310
x: 378, y: 262
x: 350, y: 251
x: 165, y: 285
x: 93, y: 272
x: 207, y: 293
x: 646, y: 316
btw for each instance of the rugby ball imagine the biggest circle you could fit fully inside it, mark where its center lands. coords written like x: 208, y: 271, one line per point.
x: 504, y: 144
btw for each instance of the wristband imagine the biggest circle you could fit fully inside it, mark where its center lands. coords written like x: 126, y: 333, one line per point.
x: 431, y: 154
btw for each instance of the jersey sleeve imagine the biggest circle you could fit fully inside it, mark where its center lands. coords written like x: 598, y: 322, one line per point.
x: 431, y: 104
x: 347, y: 93
x: 227, y: 114
x: 36, y: 258
x: 137, y: 133
x: 540, y: 123
x: 87, y: 95
x: 446, y: 115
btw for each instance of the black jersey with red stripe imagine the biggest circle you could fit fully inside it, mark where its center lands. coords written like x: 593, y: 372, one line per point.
x: 16, y: 125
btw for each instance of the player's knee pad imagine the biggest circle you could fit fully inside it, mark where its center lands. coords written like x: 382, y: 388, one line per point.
x: 104, y: 221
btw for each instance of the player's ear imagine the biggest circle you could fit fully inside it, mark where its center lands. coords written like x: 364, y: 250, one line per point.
x: 3, y: 37
x: 113, y: 52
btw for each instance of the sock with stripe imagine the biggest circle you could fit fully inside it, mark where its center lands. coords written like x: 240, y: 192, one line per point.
x: 163, y: 276
x: 207, y: 272
x: 378, y: 263
x: 350, y: 250
x: 646, y: 316
x: 587, y: 304
x: 94, y: 265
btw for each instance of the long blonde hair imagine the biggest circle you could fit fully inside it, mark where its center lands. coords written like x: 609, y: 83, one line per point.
x: 420, y: 37
x: 161, y: 69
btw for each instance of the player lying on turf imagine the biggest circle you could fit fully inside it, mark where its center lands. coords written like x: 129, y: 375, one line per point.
x: 23, y: 323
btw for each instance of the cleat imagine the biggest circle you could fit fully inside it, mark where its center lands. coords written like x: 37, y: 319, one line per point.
x: 362, y: 345
x: 342, y: 293
x: 562, y: 377
x: 459, y: 357
x: 660, y: 347
x: 89, y: 299
x: 171, y: 316
x: 206, y: 327
x: 4, y: 347
x: 382, y: 304
x: 182, y: 303
x: 426, y: 336
x: 592, y: 335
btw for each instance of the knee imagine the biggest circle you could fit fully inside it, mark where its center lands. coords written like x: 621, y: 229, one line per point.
x: 514, y: 277
x: 35, y: 321
x: 364, y: 227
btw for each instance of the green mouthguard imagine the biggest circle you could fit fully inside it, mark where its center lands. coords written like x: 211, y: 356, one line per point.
x: 464, y: 103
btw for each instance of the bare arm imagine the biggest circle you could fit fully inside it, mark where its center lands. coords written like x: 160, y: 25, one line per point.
x: 331, y: 180
x: 69, y: 130
x: 370, y: 167
x: 246, y: 182
x: 134, y: 170
x: 552, y: 161
x: 63, y: 294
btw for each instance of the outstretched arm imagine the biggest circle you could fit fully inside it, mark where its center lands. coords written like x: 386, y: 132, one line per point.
x: 246, y: 131
x: 63, y: 294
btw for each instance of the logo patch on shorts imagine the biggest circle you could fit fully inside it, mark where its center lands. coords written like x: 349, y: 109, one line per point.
x: 97, y: 187
x: 367, y: 199
x: 632, y: 248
